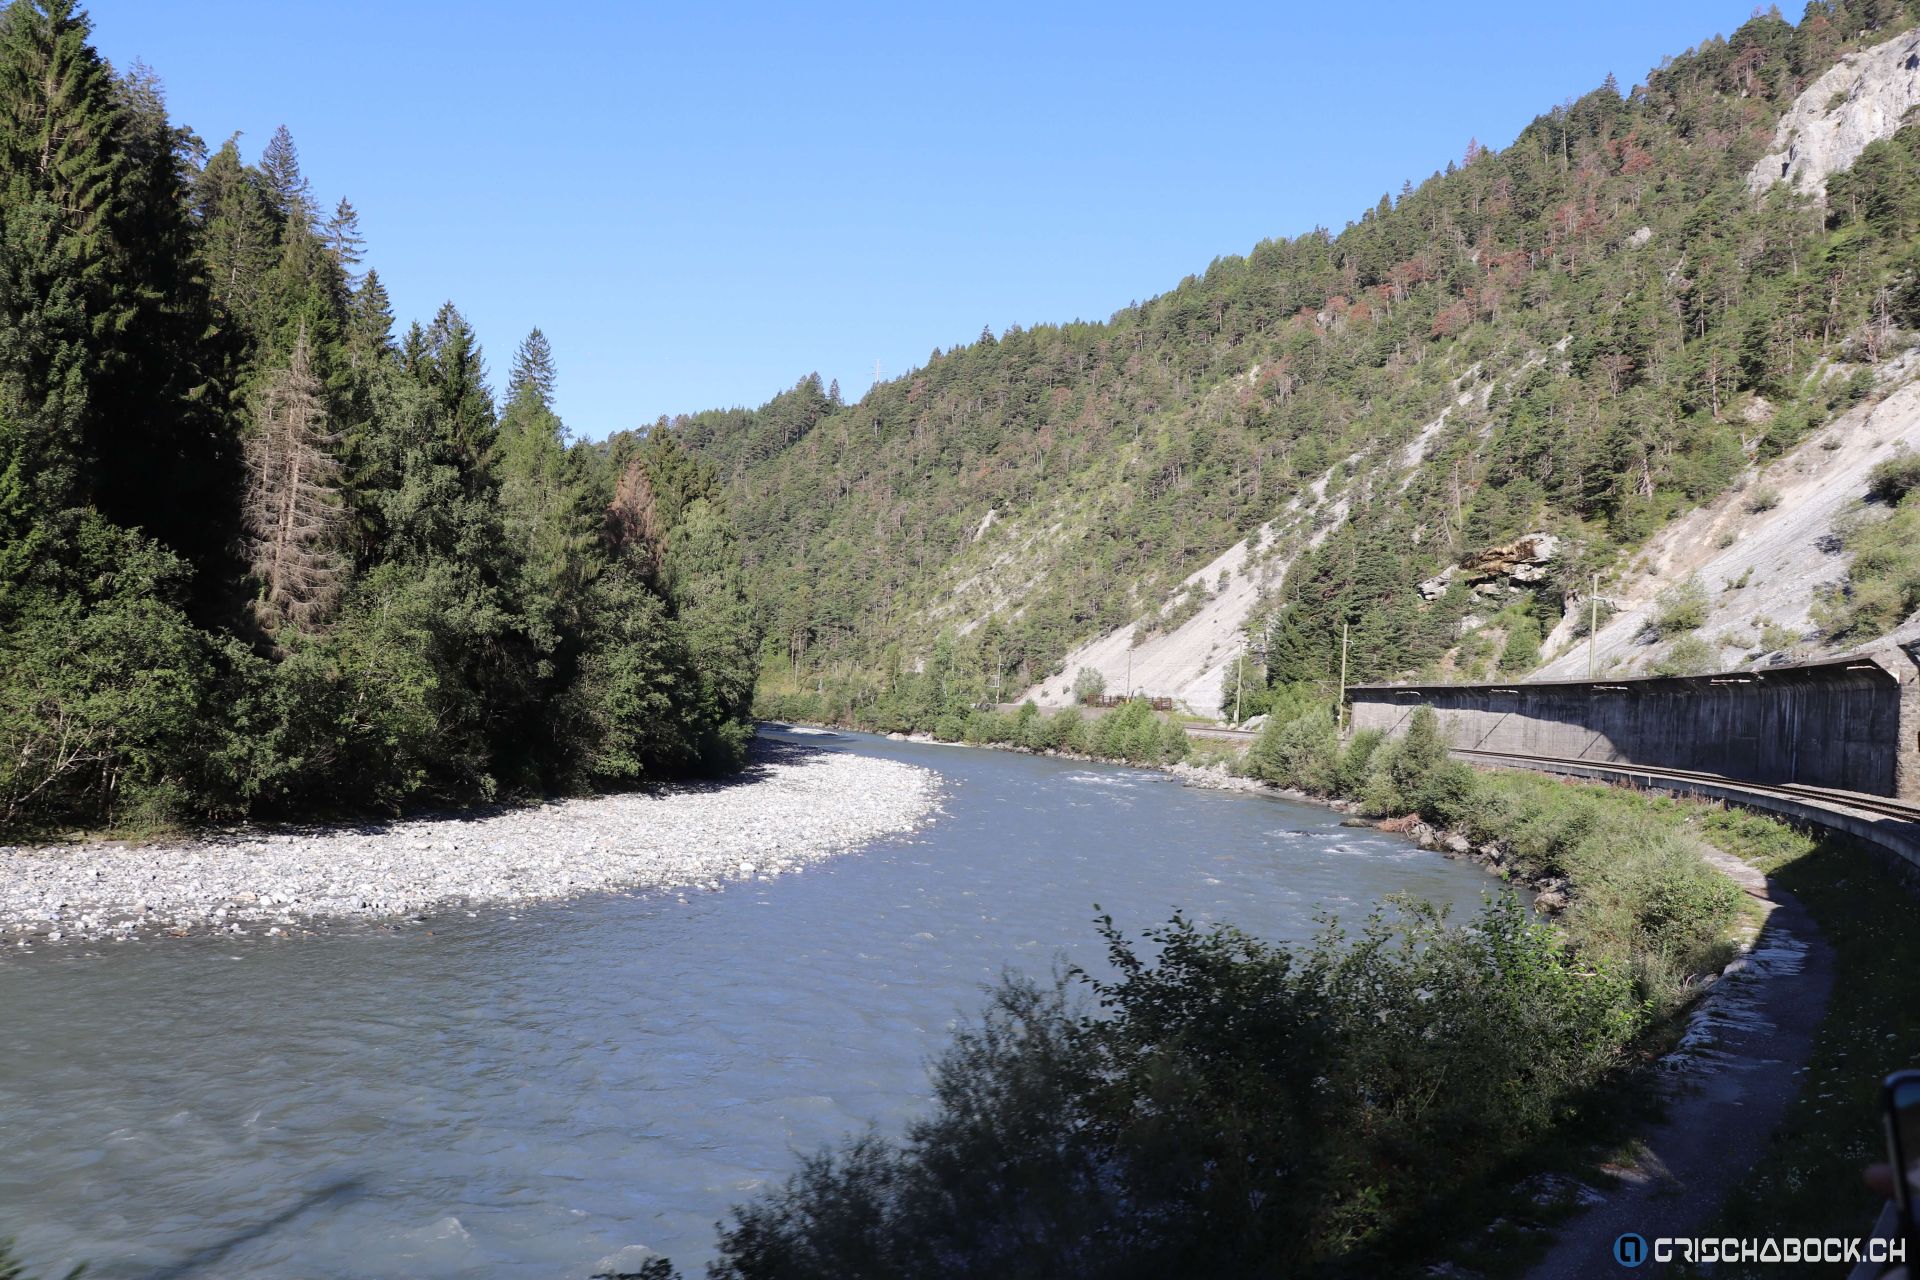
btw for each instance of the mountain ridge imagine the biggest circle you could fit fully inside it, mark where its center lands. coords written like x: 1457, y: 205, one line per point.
x: 1589, y: 333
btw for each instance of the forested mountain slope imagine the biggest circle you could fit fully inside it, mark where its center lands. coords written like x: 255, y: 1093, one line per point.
x: 1585, y: 334
x: 257, y: 555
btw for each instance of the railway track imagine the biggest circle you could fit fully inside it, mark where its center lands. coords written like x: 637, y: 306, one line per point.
x: 1221, y: 732
x: 1858, y: 803
x: 1880, y: 806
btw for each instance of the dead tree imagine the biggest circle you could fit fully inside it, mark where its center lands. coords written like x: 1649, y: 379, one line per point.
x: 294, y: 520
x: 634, y: 522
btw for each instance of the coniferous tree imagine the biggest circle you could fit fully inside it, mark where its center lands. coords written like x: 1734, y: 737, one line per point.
x: 344, y: 241
x: 432, y: 579
x: 454, y: 370
x: 294, y: 518
x: 286, y: 186
x: 551, y: 505
x: 533, y: 373
x: 105, y: 384
x: 237, y: 233
x: 636, y: 523
x: 168, y: 456
x: 371, y: 329
x: 64, y: 169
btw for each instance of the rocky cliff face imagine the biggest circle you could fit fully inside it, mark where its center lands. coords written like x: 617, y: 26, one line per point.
x: 1761, y: 568
x: 1862, y: 99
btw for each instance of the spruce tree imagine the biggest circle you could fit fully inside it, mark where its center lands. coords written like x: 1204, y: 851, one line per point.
x: 551, y: 508
x: 286, y: 186
x: 533, y: 372
x: 63, y: 170
x: 109, y: 378
x: 344, y: 241
x: 370, y: 329
x: 168, y: 460
x: 455, y: 371
x: 237, y: 233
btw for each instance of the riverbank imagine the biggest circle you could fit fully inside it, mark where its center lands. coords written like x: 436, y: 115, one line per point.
x: 1743, y: 1035
x: 792, y: 806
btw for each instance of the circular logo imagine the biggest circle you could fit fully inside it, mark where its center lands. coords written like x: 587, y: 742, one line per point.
x: 1630, y: 1250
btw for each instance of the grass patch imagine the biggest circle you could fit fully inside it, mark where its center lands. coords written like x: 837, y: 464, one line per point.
x: 1882, y: 585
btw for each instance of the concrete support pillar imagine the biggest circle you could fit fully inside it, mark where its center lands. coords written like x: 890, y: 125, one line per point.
x: 1904, y: 666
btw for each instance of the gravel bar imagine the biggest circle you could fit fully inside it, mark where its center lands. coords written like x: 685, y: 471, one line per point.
x: 792, y: 806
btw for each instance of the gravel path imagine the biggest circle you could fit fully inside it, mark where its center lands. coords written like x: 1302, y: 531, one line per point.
x: 1730, y: 1082
x: 792, y: 806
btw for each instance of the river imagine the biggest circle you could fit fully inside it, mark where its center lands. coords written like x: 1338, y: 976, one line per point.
x: 549, y: 1090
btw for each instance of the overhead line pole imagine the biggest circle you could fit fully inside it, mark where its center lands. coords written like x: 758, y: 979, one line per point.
x: 1340, y: 707
x: 1593, y: 621
x: 1239, y: 668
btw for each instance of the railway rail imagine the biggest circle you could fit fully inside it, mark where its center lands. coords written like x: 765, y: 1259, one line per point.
x: 1884, y: 806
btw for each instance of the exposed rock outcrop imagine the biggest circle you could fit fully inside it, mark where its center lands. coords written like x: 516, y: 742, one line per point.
x: 1862, y: 99
x: 1508, y: 567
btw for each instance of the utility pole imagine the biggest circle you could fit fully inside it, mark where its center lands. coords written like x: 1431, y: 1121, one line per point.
x: 1593, y: 621
x: 1340, y: 707
x: 1238, y: 668
x: 1129, y: 688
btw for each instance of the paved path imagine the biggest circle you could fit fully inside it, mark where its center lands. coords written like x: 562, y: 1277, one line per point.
x: 1733, y: 1079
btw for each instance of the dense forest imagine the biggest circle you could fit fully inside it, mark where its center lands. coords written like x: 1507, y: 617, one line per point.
x: 1637, y: 328
x: 260, y: 556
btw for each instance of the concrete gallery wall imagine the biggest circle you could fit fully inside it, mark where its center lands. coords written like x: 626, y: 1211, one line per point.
x: 1851, y: 724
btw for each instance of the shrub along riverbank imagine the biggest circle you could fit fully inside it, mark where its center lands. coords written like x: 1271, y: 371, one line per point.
x: 1227, y: 1106
x: 1131, y: 733
x: 1639, y: 894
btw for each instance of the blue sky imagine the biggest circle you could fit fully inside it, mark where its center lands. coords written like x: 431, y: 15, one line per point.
x: 699, y: 203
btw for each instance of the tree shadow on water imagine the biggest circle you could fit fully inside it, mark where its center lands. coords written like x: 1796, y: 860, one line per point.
x: 342, y: 1191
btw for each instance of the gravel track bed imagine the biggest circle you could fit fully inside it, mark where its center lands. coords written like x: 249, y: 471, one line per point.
x: 793, y: 806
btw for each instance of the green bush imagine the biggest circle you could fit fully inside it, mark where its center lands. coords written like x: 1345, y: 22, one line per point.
x: 1302, y: 753
x: 111, y: 706
x: 1356, y: 762
x: 1064, y: 730
x: 1684, y: 606
x: 1882, y: 585
x: 1088, y: 685
x: 1641, y: 893
x: 1645, y: 898
x: 1687, y: 656
x: 1132, y: 732
x: 1895, y: 477
x: 1414, y: 774
x: 1230, y: 1108
x: 1774, y: 637
x: 804, y: 707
